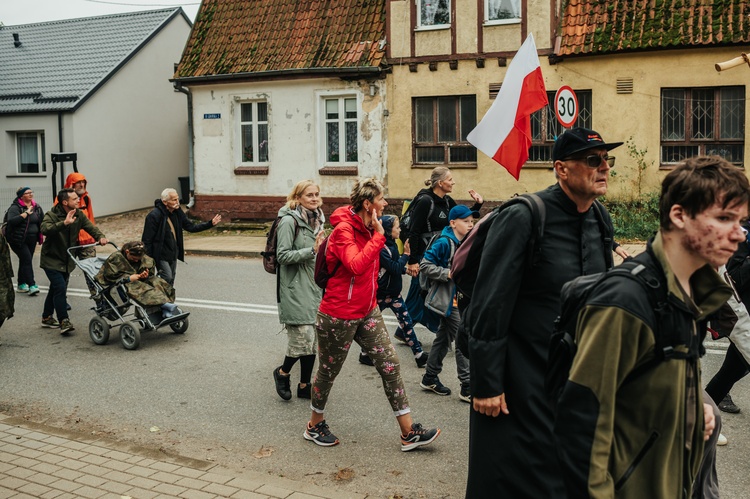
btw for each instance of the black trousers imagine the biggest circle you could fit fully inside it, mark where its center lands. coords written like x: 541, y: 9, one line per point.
x: 734, y: 368
x: 25, y: 252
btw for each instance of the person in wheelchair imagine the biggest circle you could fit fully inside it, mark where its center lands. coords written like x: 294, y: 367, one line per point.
x: 137, y: 271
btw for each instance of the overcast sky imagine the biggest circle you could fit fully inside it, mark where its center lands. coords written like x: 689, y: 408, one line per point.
x: 34, y: 11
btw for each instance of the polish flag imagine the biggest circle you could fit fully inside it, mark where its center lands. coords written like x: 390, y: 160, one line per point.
x: 504, y: 134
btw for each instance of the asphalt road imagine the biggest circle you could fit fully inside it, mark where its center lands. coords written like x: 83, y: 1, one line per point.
x: 209, y: 394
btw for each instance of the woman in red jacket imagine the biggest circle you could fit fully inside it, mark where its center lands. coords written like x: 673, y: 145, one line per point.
x: 349, y: 312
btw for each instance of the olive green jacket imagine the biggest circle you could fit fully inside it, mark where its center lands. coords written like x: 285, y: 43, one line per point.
x: 7, y: 293
x: 299, y: 296
x: 58, y: 237
x: 638, y: 437
x: 148, y: 292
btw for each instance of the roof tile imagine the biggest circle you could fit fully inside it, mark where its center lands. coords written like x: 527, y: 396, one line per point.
x: 604, y: 26
x: 243, y: 36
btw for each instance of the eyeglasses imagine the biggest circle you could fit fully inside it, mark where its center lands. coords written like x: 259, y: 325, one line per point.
x: 595, y: 160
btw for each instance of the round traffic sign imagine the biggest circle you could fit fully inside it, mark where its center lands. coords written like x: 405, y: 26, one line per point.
x: 566, y: 106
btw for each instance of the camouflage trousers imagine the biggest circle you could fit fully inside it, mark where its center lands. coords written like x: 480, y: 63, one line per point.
x: 301, y: 340
x: 335, y: 337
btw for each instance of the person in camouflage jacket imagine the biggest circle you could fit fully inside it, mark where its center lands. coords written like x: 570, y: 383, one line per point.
x: 138, y: 270
x: 7, y: 295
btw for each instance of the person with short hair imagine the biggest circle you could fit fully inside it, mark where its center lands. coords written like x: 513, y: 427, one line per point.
x: 24, y: 233
x: 61, y: 226
x: 348, y: 312
x: 510, y: 319
x: 162, y: 233
x: 628, y: 432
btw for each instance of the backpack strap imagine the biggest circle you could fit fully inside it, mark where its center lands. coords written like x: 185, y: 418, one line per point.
x: 538, y: 219
x: 606, y: 230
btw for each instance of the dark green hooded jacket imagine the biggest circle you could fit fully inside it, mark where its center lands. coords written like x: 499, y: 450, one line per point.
x: 59, y: 237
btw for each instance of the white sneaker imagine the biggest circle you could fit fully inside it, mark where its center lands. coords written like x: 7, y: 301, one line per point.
x: 722, y: 440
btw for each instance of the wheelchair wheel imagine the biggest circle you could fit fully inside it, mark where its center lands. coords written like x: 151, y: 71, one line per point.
x: 99, y: 330
x: 180, y: 327
x: 130, y: 335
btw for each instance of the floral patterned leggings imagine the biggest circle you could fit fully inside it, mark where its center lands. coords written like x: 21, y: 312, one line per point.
x: 405, y: 324
x: 335, y: 337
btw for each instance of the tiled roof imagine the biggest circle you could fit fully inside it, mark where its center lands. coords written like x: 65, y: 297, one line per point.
x: 605, y: 26
x: 60, y: 63
x: 244, y: 36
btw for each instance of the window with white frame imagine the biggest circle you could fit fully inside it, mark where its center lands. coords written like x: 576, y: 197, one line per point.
x: 702, y: 121
x: 545, y: 128
x: 31, y: 155
x: 254, y: 132
x: 434, y: 12
x: 500, y: 11
x: 441, y: 125
x: 341, y: 119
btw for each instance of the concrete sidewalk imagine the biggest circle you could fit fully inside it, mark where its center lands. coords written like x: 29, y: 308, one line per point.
x: 37, y: 461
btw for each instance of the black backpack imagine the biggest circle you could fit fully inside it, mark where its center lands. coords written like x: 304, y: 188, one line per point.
x: 406, y: 221
x: 465, y: 267
x: 270, y: 263
x: 322, y: 274
x: 574, y: 296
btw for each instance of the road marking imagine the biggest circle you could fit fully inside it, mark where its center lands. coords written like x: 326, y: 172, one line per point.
x: 251, y: 308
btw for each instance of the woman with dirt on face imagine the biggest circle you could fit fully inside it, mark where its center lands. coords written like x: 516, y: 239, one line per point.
x: 349, y: 312
x: 298, y: 236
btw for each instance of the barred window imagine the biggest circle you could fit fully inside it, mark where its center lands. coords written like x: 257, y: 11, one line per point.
x: 545, y: 128
x: 702, y: 121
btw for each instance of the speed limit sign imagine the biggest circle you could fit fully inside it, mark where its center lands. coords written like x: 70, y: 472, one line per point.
x: 566, y: 106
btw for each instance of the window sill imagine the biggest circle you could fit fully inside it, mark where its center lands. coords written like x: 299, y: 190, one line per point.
x: 251, y: 170
x: 27, y: 175
x: 501, y: 22
x: 339, y: 170
x: 432, y: 28
x: 452, y: 166
x: 539, y: 166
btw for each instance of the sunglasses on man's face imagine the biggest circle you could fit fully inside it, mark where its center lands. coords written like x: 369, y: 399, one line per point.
x: 595, y: 160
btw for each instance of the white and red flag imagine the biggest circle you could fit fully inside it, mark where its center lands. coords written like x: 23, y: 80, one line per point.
x: 504, y: 134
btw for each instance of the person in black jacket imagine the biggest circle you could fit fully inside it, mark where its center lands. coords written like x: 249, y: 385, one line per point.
x: 23, y: 234
x: 162, y: 233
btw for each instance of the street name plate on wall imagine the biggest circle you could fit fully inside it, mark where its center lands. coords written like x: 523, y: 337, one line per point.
x: 212, y: 116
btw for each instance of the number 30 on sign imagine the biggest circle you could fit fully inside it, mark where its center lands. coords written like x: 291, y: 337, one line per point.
x: 566, y: 106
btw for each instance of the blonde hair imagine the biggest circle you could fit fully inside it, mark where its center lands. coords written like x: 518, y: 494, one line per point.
x: 365, y: 189
x: 439, y: 173
x: 292, y: 200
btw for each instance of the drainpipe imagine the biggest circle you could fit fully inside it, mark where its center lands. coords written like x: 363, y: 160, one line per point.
x: 191, y: 138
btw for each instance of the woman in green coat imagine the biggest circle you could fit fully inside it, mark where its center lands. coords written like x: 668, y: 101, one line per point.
x: 298, y: 236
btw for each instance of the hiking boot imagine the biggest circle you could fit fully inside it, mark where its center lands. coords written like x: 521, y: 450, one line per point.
x: 433, y: 384
x: 282, y: 384
x: 399, y: 335
x: 365, y: 359
x: 33, y: 290
x: 465, y: 394
x: 304, y: 393
x: 321, y: 435
x: 66, y: 327
x: 23, y: 288
x: 727, y: 405
x: 418, y: 437
x: 422, y: 360
x: 50, y: 322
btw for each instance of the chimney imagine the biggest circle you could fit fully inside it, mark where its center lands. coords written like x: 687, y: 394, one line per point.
x: 16, y: 41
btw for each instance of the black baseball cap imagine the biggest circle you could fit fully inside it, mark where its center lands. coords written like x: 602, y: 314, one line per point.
x: 578, y: 140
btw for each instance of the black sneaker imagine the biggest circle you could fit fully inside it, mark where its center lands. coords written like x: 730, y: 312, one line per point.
x: 66, y: 327
x: 399, y: 335
x: 304, y: 393
x: 321, y: 435
x: 727, y: 405
x: 282, y: 384
x: 422, y: 360
x: 418, y: 437
x: 365, y: 359
x: 433, y: 384
x: 465, y: 394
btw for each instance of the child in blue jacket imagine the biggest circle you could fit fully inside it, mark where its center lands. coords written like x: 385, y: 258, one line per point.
x: 392, y: 268
x: 441, y: 298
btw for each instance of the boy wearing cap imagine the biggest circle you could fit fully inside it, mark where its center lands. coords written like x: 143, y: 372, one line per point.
x: 511, y: 315
x: 441, y: 298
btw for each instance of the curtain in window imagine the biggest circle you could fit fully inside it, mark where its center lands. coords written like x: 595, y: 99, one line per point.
x: 28, y: 153
x: 503, y: 9
x: 435, y: 12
